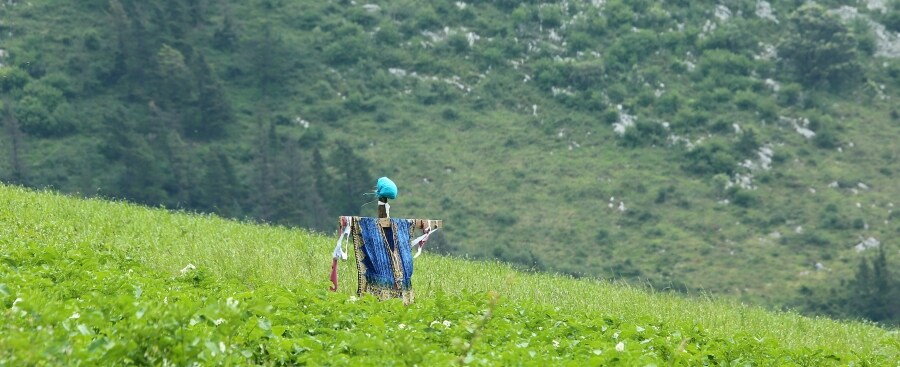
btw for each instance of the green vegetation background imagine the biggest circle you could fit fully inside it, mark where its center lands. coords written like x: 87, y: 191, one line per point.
x: 89, y: 282
x: 499, y: 117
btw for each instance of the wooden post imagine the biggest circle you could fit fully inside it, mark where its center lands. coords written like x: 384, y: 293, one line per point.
x: 382, y: 209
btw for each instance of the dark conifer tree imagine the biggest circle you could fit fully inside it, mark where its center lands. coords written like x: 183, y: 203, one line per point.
x: 352, y: 180
x: 324, y: 191
x: 16, y: 139
x: 225, y: 37
x: 220, y: 189
x: 122, y: 29
x: 263, y: 185
x: 178, y: 157
x: 215, y: 112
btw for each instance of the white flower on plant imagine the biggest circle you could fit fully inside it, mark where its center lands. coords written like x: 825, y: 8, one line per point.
x: 188, y: 268
x: 556, y: 343
x: 447, y: 323
x: 75, y: 315
x: 620, y: 347
x: 222, y: 347
x: 597, y: 352
x: 231, y: 302
x: 219, y: 321
x: 402, y: 326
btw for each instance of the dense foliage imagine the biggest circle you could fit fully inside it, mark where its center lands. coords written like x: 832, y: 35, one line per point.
x: 728, y: 146
x: 98, y: 289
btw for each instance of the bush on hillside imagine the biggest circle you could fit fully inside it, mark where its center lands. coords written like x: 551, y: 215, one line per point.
x: 644, y: 133
x: 744, y: 198
x: 820, y: 49
x: 36, y: 119
x: 12, y: 78
x: 710, y: 158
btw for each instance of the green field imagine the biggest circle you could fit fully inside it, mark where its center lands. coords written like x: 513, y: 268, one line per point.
x: 89, y: 282
x: 505, y: 118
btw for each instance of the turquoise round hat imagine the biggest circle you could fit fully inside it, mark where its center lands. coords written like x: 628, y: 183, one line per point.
x: 385, y: 188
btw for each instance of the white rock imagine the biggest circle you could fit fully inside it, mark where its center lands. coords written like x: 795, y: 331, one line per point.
x: 887, y: 43
x: 772, y: 84
x: 722, y: 12
x: 807, y: 133
x: 397, y: 72
x: 764, y: 11
x: 625, y: 121
x: 876, y: 5
x: 868, y: 243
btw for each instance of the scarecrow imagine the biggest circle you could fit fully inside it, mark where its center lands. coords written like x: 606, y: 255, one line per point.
x: 383, y: 248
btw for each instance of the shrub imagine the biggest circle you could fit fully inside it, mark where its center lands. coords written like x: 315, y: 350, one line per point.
x: 689, y: 118
x: 644, y: 133
x: 458, y: 43
x: 36, y: 119
x: 790, y: 94
x: 450, y: 113
x: 711, y: 158
x: 721, y: 62
x: 820, y: 48
x: 745, y: 198
x: 551, y: 16
x: 47, y: 94
x: 891, y: 20
x: 747, y: 143
x: 12, y: 78
x: 746, y: 100
x: 864, y: 36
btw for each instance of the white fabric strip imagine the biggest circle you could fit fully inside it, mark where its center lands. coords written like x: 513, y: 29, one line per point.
x: 420, y: 241
x: 387, y: 208
x: 345, y: 231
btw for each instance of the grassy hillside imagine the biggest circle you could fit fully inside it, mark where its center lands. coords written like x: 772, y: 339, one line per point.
x: 92, y: 282
x: 685, y: 144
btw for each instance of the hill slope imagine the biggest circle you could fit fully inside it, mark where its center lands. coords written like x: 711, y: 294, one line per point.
x: 95, y: 282
x: 688, y: 144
